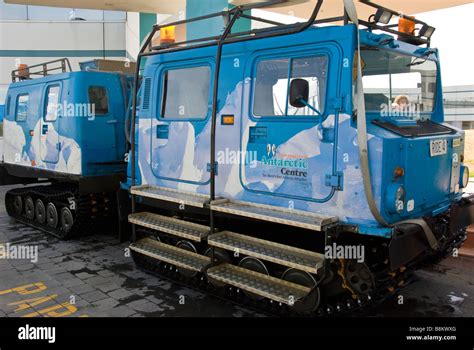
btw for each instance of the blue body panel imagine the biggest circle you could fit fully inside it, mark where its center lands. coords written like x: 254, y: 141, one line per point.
x: 308, y: 163
x: 77, y: 142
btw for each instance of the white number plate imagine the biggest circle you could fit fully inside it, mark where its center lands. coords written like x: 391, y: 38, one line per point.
x: 438, y: 147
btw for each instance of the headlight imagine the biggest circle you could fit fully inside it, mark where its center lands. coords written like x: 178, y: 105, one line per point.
x: 395, y: 198
x: 464, y: 178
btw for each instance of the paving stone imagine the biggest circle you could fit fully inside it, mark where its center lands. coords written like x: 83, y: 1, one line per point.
x: 144, y: 306
x: 94, y: 281
x: 93, y: 296
x: 73, y: 282
x: 105, y: 273
x: 120, y: 294
x: 72, y: 265
x: 81, y: 289
x: 121, y: 311
x: 26, y: 267
x: 64, y: 276
x: 106, y: 304
x: 107, y: 287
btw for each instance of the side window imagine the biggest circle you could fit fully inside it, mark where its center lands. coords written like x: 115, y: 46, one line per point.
x: 273, y: 79
x: 22, y: 107
x: 99, y: 100
x: 52, y: 103
x: 186, y: 93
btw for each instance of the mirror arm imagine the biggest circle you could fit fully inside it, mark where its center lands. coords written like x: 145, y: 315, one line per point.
x: 310, y: 107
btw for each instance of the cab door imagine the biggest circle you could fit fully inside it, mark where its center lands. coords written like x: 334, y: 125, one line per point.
x: 50, y: 145
x: 293, y: 147
x: 181, y: 131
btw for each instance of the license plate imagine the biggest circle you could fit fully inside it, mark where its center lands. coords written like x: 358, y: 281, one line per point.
x: 438, y: 147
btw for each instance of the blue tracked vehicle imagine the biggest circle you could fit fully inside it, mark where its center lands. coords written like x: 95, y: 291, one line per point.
x: 306, y: 166
x: 65, y: 128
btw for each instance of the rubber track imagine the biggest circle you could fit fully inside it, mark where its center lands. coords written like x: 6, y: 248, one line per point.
x: 90, y: 210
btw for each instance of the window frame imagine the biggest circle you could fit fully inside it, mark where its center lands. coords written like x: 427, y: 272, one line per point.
x: 106, y: 95
x: 46, y: 101
x: 161, y: 91
x: 290, y: 57
x: 17, y: 105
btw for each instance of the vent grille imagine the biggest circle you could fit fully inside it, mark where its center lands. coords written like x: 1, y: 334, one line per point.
x: 146, y: 93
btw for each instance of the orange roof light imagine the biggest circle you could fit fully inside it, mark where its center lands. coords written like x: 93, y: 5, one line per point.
x: 168, y: 35
x: 406, y: 25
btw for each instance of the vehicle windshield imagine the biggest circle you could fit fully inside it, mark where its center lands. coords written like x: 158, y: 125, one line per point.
x: 398, y: 85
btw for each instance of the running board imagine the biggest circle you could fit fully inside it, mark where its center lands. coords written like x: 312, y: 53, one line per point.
x: 172, y: 226
x: 171, y: 255
x: 258, y: 283
x: 171, y: 195
x: 291, y: 217
x: 270, y: 251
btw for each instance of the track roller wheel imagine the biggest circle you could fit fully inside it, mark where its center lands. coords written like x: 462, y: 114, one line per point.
x: 18, y: 205
x: 29, y: 208
x: 185, y: 245
x: 67, y: 220
x: 253, y: 264
x: 40, y: 211
x: 52, y: 215
x: 311, y: 302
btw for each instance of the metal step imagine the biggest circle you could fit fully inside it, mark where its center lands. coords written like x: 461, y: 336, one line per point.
x: 172, y: 255
x: 180, y: 228
x: 291, y: 217
x: 260, y: 284
x: 171, y: 195
x: 270, y: 251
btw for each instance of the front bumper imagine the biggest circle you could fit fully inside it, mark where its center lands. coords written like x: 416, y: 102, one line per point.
x: 409, y: 241
x: 462, y: 214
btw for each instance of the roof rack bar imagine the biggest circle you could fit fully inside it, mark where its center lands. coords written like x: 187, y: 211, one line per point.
x: 226, y: 14
x: 260, y: 19
x: 399, y: 14
x: 25, y: 72
x: 387, y: 29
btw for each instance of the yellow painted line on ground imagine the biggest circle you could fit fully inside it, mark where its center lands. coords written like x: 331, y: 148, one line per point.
x: 29, y: 303
x: 59, y: 310
x: 53, y: 311
x: 26, y: 289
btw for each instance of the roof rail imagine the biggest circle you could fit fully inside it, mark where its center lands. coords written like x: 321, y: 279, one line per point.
x: 25, y: 72
x: 277, y: 28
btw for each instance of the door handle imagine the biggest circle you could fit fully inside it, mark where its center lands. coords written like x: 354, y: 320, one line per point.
x: 112, y: 121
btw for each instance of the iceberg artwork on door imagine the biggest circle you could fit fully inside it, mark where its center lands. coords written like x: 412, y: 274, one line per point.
x: 180, y: 136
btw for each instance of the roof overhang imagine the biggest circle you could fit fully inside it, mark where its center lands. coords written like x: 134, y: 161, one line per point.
x: 299, y: 8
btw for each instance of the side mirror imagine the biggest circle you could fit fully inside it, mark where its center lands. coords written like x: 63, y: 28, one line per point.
x: 299, y: 93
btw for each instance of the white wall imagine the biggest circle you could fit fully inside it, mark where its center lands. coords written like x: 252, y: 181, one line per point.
x: 34, y: 42
x: 132, y: 34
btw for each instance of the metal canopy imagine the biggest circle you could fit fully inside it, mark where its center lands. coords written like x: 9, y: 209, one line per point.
x: 298, y: 8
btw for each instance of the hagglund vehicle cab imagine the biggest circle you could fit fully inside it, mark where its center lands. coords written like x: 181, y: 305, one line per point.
x: 303, y: 167
x: 66, y: 128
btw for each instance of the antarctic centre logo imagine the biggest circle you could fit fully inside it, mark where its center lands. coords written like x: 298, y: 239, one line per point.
x: 290, y: 165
